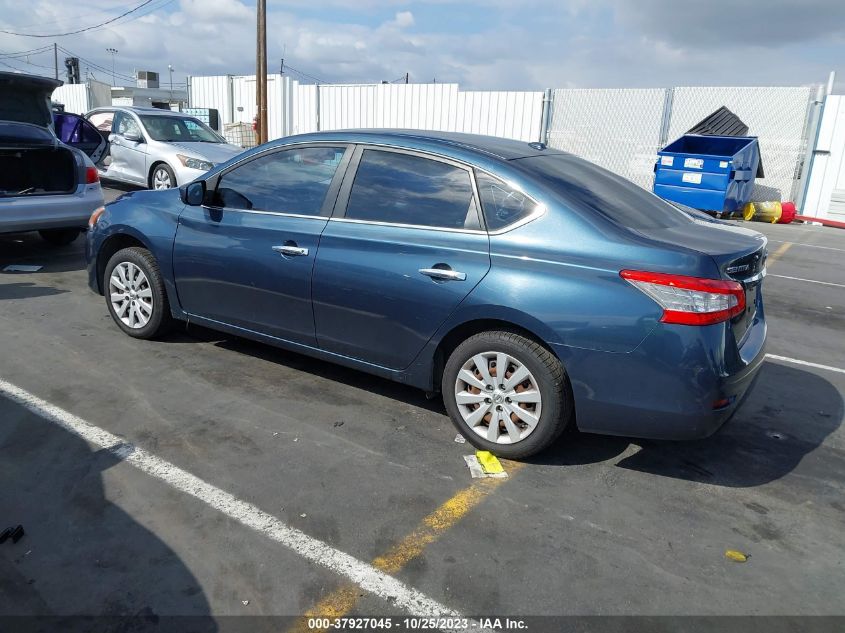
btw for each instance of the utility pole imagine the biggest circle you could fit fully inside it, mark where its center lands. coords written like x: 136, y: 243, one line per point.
x: 407, y: 75
x: 170, y: 69
x: 261, y: 70
x: 56, y: 58
x: 113, y: 52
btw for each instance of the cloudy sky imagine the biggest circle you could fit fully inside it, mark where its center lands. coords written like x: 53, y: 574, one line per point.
x: 481, y: 44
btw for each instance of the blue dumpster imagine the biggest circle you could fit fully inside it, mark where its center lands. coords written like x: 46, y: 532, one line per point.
x: 711, y: 173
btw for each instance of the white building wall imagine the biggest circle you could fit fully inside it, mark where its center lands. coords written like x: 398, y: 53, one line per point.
x: 826, y: 189
x: 212, y: 92
x: 80, y: 98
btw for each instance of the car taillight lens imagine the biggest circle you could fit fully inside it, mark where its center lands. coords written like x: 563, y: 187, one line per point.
x: 690, y: 300
x: 91, y: 175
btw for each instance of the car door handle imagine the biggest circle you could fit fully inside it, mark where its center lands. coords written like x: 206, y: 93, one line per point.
x: 291, y: 251
x: 443, y: 273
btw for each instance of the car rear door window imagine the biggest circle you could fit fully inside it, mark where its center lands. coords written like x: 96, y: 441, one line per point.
x: 400, y: 188
x: 289, y: 181
x: 502, y: 204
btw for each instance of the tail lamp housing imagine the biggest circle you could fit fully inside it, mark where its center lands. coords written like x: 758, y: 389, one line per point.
x: 690, y: 300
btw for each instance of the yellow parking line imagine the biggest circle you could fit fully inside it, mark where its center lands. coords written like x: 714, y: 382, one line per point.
x: 779, y: 253
x: 341, y: 601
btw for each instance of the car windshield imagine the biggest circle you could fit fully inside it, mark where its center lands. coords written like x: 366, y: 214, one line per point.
x: 174, y: 129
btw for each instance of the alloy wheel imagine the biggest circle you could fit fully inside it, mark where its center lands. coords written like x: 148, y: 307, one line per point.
x: 161, y: 179
x: 131, y: 295
x: 498, y: 397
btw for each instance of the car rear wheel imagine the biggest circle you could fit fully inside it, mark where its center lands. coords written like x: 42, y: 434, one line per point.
x: 135, y: 294
x: 59, y: 237
x: 506, y: 393
x: 162, y: 177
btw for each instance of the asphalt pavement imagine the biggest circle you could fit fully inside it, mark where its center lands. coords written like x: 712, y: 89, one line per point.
x: 369, y: 469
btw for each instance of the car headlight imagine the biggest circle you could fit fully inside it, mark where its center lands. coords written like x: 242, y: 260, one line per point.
x: 194, y: 163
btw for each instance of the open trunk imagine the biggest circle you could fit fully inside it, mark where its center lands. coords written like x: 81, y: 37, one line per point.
x: 37, y: 171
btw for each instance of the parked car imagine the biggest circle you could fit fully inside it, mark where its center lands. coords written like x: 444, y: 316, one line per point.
x: 45, y: 185
x: 156, y: 148
x: 533, y: 289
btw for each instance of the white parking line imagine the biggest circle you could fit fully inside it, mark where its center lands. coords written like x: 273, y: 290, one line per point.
x: 827, y: 248
x: 796, y: 361
x: 365, y: 576
x: 810, y: 281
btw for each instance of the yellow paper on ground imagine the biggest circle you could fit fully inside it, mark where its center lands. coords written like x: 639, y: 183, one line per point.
x: 489, y: 462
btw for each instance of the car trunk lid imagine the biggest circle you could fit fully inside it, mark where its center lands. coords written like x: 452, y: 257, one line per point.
x: 26, y: 98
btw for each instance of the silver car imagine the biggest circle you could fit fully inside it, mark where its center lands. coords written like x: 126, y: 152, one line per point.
x: 45, y: 185
x: 157, y: 148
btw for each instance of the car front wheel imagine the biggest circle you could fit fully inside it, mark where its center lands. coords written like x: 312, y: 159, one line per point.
x: 135, y: 294
x: 162, y: 178
x: 506, y: 393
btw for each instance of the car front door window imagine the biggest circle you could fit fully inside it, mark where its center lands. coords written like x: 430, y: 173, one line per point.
x: 292, y: 181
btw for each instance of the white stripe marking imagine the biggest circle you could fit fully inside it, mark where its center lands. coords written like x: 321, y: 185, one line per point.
x: 795, y: 361
x: 810, y: 281
x: 827, y: 248
x: 365, y: 576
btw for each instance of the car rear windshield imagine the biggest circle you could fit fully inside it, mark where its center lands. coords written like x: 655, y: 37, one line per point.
x: 588, y: 186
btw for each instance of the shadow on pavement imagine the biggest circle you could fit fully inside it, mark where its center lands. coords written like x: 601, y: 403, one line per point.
x: 787, y: 416
x: 27, y: 290
x: 30, y: 249
x: 321, y: 368
x: 82, y: 555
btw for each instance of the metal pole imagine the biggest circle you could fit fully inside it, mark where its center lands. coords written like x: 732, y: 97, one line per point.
x: 113, y: 52
x: 830, y: 81
x: 56, y: 58
x: 261, y: 71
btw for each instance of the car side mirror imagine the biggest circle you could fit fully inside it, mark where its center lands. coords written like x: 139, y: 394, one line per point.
x: 133, y: 137
x: 193, y: 193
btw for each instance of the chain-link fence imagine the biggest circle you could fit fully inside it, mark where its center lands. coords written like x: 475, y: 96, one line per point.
x: 777, y: 116
x: 618, y: 129
x: 623, y: 129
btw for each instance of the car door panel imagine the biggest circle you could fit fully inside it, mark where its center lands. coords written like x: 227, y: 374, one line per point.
x: 239, y: 264
x: 128, y: 157
x: 371, y: 301
x: 382, y: 288
x: 78, y: 132
x: 229, y: 268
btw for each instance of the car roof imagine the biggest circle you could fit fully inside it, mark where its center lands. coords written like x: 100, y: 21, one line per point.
x: 140, y: 110
x: 502, y: 148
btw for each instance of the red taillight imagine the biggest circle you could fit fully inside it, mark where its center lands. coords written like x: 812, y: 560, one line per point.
x: 690, y: 300
x: 91, y: 175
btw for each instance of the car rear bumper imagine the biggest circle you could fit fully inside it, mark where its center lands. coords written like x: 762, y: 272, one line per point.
x: 681, y: 383
x: 37, y: 213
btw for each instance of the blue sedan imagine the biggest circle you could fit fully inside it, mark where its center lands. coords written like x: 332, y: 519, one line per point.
x: 534, y: 290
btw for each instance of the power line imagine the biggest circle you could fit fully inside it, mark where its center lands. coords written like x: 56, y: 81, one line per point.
x: 34, y: 51
x: 96, y: 66
x: 299, y: 72
x: 81, y: 15
x: 82, y: 30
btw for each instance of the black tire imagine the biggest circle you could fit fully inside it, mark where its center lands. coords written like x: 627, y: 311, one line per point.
x: 557, y: 410
x: 160, y: 320
x: 166, y: 169
x: 59, y: 237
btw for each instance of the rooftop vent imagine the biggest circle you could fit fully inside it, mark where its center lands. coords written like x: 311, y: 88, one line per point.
x: 147, y: 79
